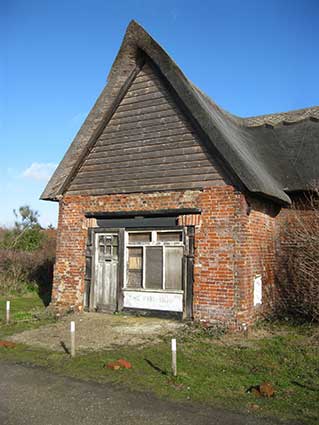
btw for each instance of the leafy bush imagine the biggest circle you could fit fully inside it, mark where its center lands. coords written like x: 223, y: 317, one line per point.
x: 27, y: 240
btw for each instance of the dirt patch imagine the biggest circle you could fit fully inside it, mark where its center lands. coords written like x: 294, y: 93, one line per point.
x: 96, y: 331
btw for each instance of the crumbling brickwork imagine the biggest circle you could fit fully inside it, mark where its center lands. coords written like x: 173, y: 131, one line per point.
x: 234, y: 241
x: 257, y: 244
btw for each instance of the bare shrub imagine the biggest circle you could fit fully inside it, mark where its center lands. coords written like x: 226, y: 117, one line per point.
x: 14, y: 270
x: 298, y: 283
x: 22, y: 270
x: 42, y: 271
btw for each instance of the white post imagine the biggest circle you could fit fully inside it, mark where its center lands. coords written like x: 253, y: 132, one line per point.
x: 174, y: 363
x: 245, y: 329
x: 72, y: 330
x: 8, y: 312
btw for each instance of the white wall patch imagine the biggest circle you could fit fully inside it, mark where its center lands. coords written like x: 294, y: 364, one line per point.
x: 257, y: 290
x: 153, y: 300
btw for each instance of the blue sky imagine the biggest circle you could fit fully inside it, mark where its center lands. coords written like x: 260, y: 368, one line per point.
x: 251, y: 57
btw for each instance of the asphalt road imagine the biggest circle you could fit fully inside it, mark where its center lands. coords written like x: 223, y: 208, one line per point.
x: 34, y: 396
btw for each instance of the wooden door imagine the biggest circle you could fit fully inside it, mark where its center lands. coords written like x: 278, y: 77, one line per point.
x: 106, y: 272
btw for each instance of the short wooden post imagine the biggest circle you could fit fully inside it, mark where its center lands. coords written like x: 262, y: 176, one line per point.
x: 174, y: 363
x: 245, y: 329
x: 72, y: 331
x: 8, y: 312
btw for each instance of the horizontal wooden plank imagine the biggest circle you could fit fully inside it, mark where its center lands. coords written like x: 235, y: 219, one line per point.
x: 152, y: 119
x: 162, y: 134
x: 159, y: 161
x: 158, y: 101
x: 151, y: 188
x: 142, y: 174
x: 143, y: 98
x: 141, y: 84
x: 152, y: 151
x: 144, y: 182
x: 115, y: 145
x: 142, y: 111
x: 148, y: 71
x: 145, y: 188
x: 146, y: 156
x: 146, y: 146
x: 120, y: 153
x: 156, y: 83
x: 125, y: 180
x: 164, y: 149
x: 159, y: 167
x: 128, y: 118
x: 150, y: 81
x: 139, y: 92
x: 147, y: 76
x: 143, y: 125
x: 141, y: 132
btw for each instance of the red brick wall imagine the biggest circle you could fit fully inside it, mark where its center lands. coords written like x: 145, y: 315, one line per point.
x: 215, y: 255
x: 231, y: 247
x: 257, y: 247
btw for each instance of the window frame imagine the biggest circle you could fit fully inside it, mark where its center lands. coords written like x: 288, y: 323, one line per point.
x: 155, y: 243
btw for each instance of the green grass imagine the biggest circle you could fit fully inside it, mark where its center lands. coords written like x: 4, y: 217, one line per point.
x: 26, y: 312
x: 212, y: 370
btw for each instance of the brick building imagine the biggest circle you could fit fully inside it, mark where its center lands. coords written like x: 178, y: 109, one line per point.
x: 170, y: 204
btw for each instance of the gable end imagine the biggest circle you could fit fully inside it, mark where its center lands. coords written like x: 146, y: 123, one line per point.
x: 148, y: 145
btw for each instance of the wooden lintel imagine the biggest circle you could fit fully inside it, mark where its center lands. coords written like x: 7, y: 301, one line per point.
x: 148, y: 213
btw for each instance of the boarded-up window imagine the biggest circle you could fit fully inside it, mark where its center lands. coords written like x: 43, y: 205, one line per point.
x: 139, y: 237
x: 155, y: 260
x: 173, y: 267
x: 135, y: 267
x: 153, y: 267
x: 169, y: 236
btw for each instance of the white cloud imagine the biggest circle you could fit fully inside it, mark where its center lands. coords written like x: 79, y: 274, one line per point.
x: 39, y: 171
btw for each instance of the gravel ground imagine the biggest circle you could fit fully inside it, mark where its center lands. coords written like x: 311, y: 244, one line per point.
x: 96, y: 331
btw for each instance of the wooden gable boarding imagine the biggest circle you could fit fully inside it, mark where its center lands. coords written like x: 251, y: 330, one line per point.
x: 148, y: 144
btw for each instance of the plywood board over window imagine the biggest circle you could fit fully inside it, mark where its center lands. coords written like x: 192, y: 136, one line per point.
x: 135, y: 267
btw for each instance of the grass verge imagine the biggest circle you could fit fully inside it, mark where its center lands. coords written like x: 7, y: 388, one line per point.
x: 214, y: 370
x: 26, y: 312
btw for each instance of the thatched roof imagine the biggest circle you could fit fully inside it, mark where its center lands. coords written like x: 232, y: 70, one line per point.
x: 270, y: 154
